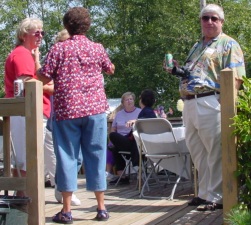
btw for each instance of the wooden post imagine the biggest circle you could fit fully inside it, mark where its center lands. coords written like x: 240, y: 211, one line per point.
x: 228, y: 98
x: 34, y: 151
x: 32, y: 108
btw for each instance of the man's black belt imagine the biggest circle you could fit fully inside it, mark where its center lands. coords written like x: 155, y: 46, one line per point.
x: 189, y: 97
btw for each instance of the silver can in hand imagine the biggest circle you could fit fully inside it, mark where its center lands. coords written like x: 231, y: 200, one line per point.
x: 18, y: 88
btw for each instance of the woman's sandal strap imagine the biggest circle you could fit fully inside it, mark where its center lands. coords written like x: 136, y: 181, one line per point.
x: 63, y: 218
x: 102, y: 215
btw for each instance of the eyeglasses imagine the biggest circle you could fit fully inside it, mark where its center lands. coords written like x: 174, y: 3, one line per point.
x: 129, y: 100
x: 207, y: 18
x: 38, y: 33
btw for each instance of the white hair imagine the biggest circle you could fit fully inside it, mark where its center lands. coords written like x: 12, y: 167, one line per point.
x: 213, y: 8
x: 25, y: 26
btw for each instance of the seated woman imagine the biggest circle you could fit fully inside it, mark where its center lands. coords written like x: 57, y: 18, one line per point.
x: 123, y: 141
x: 119, y: 132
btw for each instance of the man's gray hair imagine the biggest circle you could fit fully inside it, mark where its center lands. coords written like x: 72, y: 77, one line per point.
x: 213, y: 8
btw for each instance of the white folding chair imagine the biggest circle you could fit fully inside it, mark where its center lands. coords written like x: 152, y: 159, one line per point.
x: 143, y: 162
x: 158, y: 140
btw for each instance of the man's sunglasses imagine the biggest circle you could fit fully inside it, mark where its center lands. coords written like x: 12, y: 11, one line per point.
x: 38, y: 33
x: 207, y: 18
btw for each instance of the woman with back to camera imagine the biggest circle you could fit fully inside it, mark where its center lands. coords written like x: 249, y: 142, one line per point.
x: 80, y: 103
x: 49, y: 154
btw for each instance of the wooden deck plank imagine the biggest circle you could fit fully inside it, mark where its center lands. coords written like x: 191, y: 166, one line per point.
x: 214, y: 217
x: 170, y: 216
x: 126, y: 208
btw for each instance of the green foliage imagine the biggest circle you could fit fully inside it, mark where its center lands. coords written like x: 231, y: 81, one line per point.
x: 238, y: 216
x: 242, y: 124
x: 144, y: 32
x: 239, y: 29
x: 136, y: 34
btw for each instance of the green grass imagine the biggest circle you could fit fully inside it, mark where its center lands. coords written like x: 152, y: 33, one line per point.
x: 238, y: 216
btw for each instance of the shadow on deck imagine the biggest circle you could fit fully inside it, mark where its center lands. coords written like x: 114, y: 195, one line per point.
x: 126, y: 208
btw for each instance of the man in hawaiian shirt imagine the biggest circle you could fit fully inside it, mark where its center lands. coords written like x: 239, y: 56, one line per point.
x: 200, y: 88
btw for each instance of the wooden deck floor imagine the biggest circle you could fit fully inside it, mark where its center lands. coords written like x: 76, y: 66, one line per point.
x: 126, y: 208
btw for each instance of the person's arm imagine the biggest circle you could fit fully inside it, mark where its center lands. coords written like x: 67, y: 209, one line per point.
x: 24, y: 66
x: 48, y: 87
x: 113, y: 129
x: 107, y: 66
x: 238, y: 83
x: 25, y: 77
x: 114, y: 124
x: 112, y: 70
x: 36, y: 55
x: 45, y: 80
x: 130, y: 123
x: 169, y: 69
x: 233, y: 59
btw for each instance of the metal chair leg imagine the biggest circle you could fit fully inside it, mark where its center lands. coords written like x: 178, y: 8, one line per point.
x: 128, y: 162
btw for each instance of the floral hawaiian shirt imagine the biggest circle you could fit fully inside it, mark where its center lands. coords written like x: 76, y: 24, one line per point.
x: 204, y: 64
x: 76, y: 66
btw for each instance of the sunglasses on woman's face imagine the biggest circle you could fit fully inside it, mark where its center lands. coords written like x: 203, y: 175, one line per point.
x: 39, y: 33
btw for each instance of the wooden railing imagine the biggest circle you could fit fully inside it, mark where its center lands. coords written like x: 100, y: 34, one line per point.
x: 32, y: 108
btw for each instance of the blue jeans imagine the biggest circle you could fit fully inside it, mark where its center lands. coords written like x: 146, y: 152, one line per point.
x: 88, y: 134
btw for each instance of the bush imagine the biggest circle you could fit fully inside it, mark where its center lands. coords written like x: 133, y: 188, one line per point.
x: 238, y: 216
x: 242, y: 124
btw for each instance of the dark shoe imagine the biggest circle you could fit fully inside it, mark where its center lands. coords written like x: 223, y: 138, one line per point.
x: 63, y: 218
x: 209, y: 206
x: 122, y: 181
x: 196, y: 201
x: 47, y: 183
x: 102, y: 215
